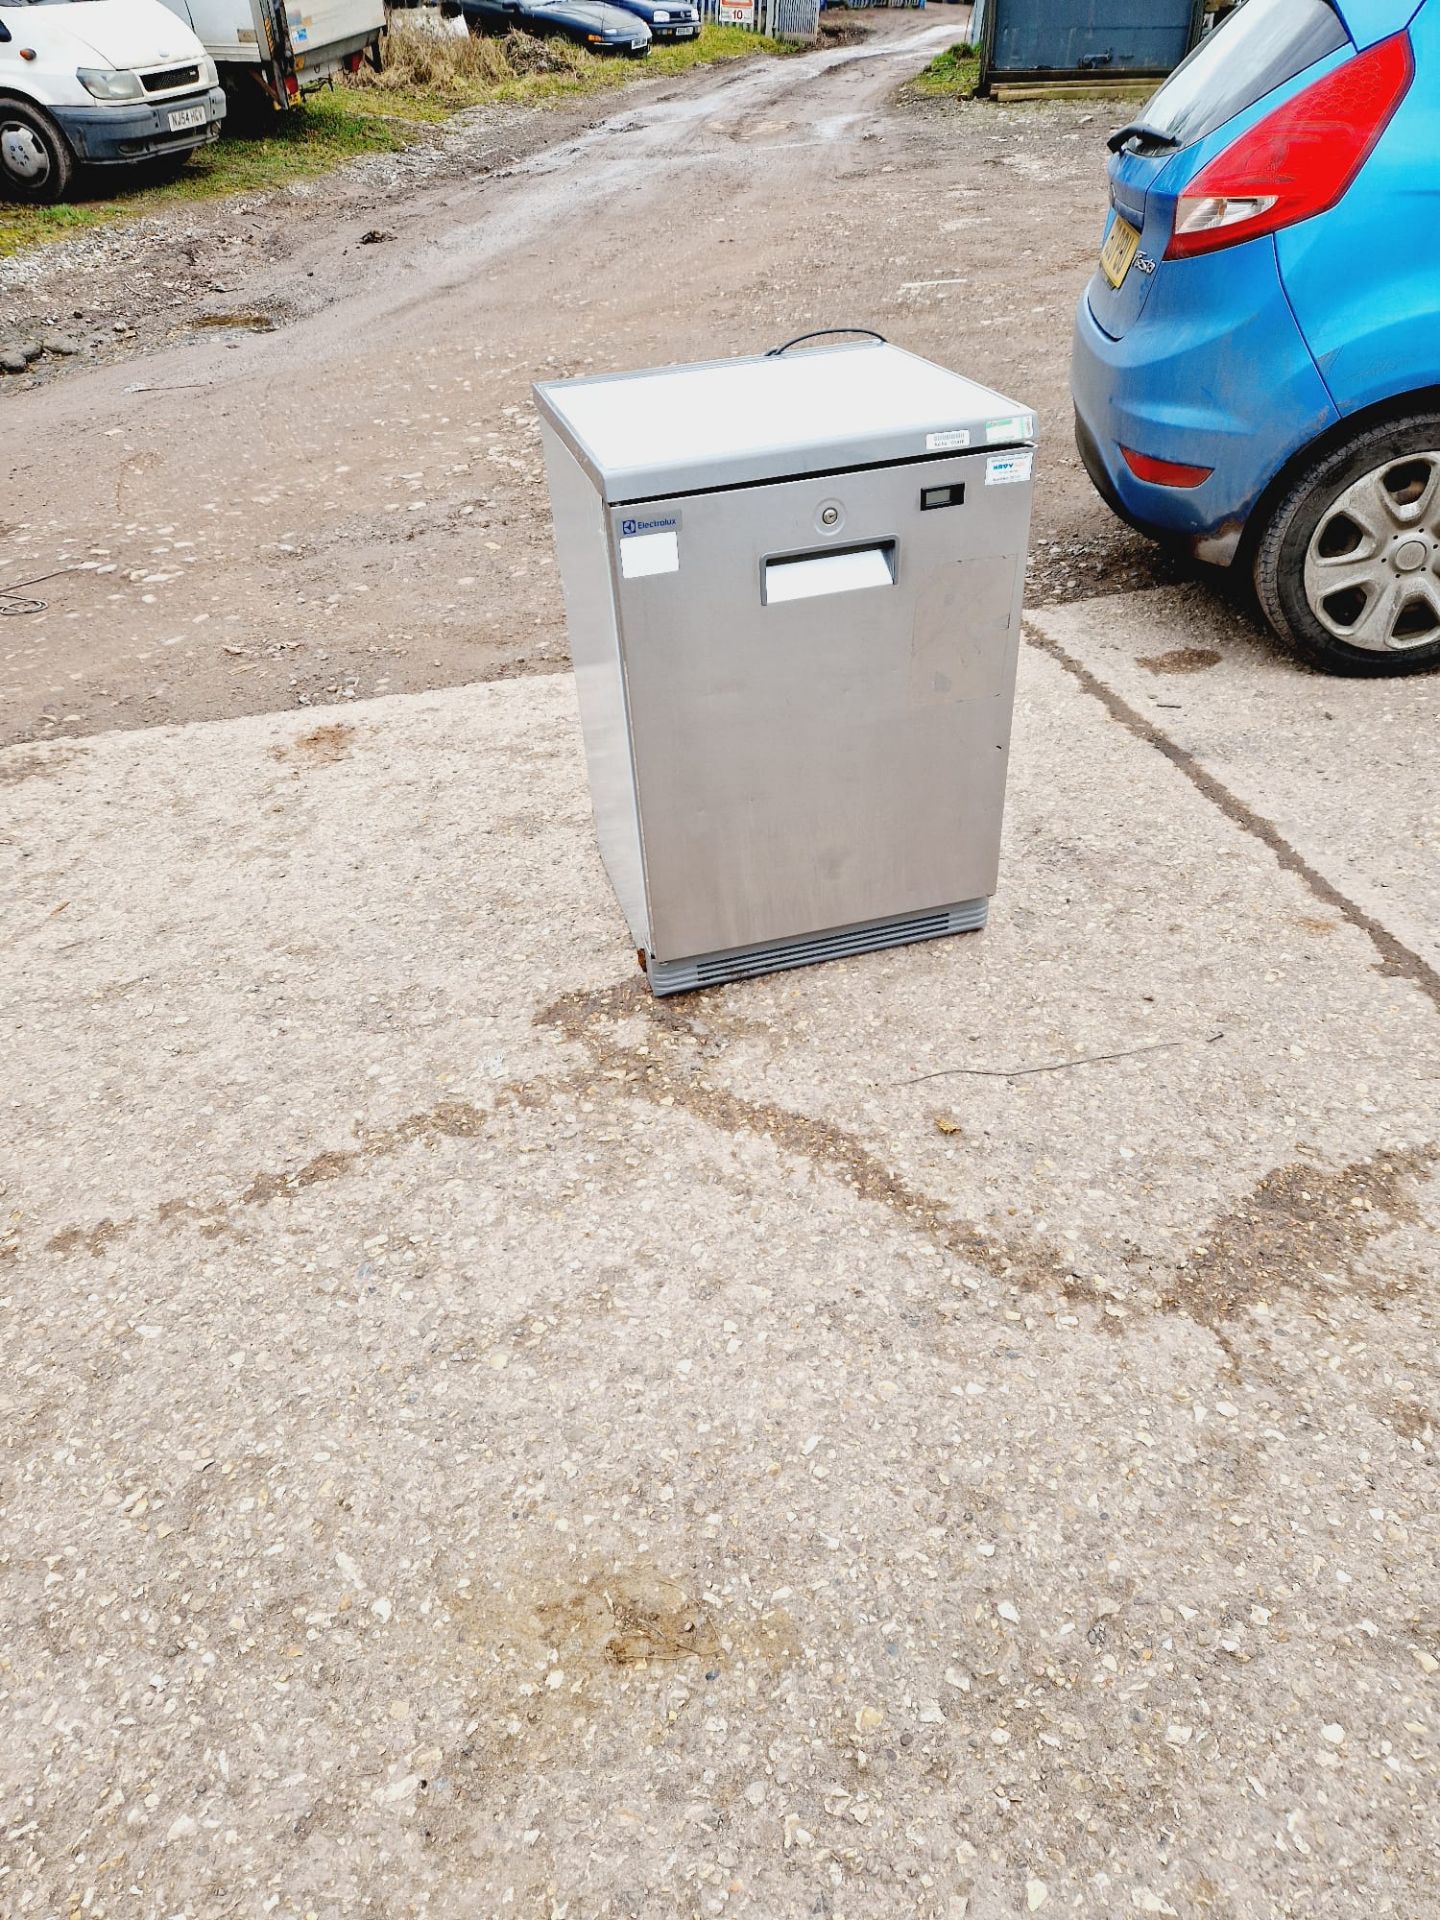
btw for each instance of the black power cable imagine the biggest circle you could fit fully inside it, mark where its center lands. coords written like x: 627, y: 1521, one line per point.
x: 824, y: 333
x: 12, y: 601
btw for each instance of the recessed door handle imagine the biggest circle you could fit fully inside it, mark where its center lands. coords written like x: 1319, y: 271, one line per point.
x: 805, y: 576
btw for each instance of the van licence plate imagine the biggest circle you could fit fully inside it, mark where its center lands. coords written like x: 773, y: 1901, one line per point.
x: 184, y: 117
x: 1122, y: 243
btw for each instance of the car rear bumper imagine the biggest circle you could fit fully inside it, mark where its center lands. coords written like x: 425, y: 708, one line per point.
x: 109, y: 136
x: 1214, y: 373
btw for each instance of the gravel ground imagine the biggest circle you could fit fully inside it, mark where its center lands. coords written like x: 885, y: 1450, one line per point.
x: 338, y: 494
x: 478, y: 1441
x: 126, y: 289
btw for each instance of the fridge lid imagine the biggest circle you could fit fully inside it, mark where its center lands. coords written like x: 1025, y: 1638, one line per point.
x: 731, y: 423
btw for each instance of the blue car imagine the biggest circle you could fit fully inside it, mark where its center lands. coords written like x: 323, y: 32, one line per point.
x: 678, y: 20
x: 1257, y: 359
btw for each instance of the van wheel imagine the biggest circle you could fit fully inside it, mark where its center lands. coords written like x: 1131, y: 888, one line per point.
x: 36, y: 165
x: 1348, y: 568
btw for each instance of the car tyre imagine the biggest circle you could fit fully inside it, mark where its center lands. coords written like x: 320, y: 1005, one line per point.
x: 36, y: 164
x: 1347, y: 568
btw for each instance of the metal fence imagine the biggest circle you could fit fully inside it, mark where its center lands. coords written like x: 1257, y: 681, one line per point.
x: 782, y: 19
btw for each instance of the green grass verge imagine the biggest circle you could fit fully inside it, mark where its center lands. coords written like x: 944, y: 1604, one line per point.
x: 952, y: 75
x: 373, y: 114
x: 331, y: 128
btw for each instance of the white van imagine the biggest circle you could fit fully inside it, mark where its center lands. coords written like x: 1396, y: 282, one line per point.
x: 277, y: 50
x: 103, y: 82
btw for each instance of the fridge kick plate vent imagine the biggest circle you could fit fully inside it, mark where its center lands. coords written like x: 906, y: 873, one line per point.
x: 805, y: 950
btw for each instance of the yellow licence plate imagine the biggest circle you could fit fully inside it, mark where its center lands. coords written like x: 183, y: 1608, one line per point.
x: 1122, y: 243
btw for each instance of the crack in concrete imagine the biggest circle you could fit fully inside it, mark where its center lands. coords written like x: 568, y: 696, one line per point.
x: 1397, y: 961
x: 1303, y: 1229
x: 447, y: 1120
x: 664, y: 1080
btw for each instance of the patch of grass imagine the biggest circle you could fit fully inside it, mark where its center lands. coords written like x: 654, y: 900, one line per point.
x: 952, y: 75
x: 331, y: 128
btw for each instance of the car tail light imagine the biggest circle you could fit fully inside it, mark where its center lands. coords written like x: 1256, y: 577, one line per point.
x: 1299, y: 160
x: 1164, y: 473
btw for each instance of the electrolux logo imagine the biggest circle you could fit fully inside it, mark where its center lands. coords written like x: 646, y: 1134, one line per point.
x: 667, y: 523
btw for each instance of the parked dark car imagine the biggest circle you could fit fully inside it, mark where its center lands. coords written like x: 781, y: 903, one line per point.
x: 589, y: 23
x: 666, y: 19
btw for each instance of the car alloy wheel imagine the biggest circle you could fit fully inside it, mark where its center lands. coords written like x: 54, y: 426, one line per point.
x: 1370, y: 572
x: 1347, y: 563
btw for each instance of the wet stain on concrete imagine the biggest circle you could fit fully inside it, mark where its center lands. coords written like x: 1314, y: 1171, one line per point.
x: 1179, y: 660
x: 620, y: 1619
x: 321, y: 747
x: 1411, y: 1421
x: 91, y: 1240
x: 18, y: 767
x: 1304, y: 1230
x: 631, y: 1619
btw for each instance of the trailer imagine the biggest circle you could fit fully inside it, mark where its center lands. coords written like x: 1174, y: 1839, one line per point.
x: 277, y: 50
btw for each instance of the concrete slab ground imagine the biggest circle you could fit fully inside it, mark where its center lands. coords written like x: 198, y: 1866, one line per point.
x: 949, y: 1433
x: 1344, y: 768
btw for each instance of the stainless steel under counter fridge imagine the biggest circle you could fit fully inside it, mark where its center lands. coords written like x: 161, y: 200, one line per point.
x: 793, y: 592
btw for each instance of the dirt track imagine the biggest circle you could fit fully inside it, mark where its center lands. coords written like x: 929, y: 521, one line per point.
x: 351, y: 503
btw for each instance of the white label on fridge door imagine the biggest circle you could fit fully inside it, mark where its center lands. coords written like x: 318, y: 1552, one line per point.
x: 1006, y: 469
x: 1019, y: 426
x: 642, y: 554
x: 950, y: 441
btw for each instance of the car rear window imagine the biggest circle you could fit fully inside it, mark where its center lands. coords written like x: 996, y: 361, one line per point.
x: 1259, y: 46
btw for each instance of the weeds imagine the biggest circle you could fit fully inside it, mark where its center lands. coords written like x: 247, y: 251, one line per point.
x: 429, y: 71
x: 432, y: 69
x: 952, y: 75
